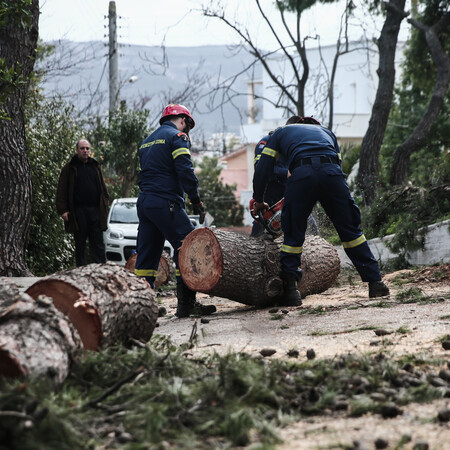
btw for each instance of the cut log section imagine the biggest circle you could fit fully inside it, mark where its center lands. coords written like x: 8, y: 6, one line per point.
x: 165, y: 268
x: 36, y: 339
x: 320, y: 265
x: 246, y: 269
x: 105, y: 302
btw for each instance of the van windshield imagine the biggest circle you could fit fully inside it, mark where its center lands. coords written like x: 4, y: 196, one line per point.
x: 124, y: 213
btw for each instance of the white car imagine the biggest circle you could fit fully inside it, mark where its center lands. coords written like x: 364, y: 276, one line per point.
x: 120, y: 237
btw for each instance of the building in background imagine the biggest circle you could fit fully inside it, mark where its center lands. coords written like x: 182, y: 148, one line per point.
x: 355, y: 86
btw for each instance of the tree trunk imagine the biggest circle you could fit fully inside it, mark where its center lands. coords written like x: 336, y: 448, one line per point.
x: 320, y: 264
x: 105, y: 302
x: 371, y: 144
x: 165, y: 268
x: 418, y: 137
x: 18, y: 40
x: 36, y: 339
x: 246, y: 269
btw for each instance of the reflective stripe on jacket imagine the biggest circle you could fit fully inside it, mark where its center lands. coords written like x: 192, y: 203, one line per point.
x: 166, y: 166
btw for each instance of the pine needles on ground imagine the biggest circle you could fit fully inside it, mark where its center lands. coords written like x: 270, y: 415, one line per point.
x: 159, y: 396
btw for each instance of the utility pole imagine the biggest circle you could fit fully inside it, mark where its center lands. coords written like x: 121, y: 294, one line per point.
x: 113, y: 58
x: 251, y: 109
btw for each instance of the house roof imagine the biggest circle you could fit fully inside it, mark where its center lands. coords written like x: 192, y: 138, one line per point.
x: 234, y: 154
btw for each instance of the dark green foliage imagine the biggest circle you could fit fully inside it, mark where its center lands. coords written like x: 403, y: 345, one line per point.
x: 350, y: 155
x: 53, y: 128
x: 20, y: 14
x: 299, y: 6
x: 425, y: 200
x: 218, y: 198
x: 158, y: 397
x: 45, y: 424
x: 118, y: 141
x: 415, y: 295
x: 406, y: 211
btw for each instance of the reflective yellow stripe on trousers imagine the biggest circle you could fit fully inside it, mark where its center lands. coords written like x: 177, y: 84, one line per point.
x: 293, y: 250
x: 355, y: 242
x: 145, y: 272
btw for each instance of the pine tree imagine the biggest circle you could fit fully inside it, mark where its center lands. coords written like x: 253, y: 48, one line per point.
x: 218, y: 198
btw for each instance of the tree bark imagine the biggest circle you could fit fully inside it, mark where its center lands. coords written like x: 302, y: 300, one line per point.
x: 246, y: 269
x: 36, y: 339
x: 417, y: 139
x: 165, y: 268
x: 105, y: 302
x: 18, y: 41
x: 371, y: 144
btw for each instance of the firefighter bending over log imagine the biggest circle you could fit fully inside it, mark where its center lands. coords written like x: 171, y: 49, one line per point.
x: 166, y: 174
x: 276, y: 187
x: 314, y: 160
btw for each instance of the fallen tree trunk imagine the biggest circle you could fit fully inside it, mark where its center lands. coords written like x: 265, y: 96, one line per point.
x: 320, y: 265
x: 246, y: 269
x: 105, y: 302
x: 36, y: 339
x: 165, y: 268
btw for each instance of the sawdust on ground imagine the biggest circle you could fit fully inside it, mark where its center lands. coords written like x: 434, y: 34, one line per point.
x: 339, y: 321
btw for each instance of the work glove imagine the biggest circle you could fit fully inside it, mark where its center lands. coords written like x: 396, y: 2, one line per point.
x: 255, y: 207
x: 200, y: 211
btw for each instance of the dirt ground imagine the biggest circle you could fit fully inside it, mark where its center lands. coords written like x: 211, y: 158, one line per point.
x: 339, y: 321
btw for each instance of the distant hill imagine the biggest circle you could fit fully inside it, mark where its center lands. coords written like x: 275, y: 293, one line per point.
x: 80, y: 72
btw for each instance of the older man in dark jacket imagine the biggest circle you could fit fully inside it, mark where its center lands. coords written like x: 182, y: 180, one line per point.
x: 82, y: 200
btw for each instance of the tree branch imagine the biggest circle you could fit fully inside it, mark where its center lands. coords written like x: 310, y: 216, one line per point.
x: 417, y: 138
x: 283, y: 47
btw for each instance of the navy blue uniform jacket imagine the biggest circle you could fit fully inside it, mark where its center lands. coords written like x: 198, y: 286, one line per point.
x: 292, y: 142
x: 277, y: 183
x: 166, y: 166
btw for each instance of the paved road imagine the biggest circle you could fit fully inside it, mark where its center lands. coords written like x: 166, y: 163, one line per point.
x: 22, y: 282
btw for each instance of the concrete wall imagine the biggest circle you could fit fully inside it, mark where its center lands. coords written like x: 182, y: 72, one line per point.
x: 436, y: 250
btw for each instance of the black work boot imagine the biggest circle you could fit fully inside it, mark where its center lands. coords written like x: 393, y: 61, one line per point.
x: 291, y: 296
x: 378, y: 289
x: 187, y: 304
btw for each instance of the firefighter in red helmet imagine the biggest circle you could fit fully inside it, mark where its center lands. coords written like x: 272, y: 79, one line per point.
x: 167, y: 173
x: 177, y: 110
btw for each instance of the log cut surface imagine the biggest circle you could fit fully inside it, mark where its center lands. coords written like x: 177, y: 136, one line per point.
x: 36, y: 339
x: 203, y: 259
x: 246, y: 269
x: 106, y: 303
x: 165, y: 269
x: 231, y: 265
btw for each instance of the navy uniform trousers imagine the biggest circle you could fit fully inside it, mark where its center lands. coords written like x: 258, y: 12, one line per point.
x: 159, y: 219
x: 324, y: 183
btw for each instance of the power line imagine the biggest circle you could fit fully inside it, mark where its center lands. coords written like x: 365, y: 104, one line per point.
x: 98, y: 85
x: 94, y: 19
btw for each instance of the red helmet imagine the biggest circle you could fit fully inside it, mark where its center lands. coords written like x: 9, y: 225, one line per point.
x: 175, y: 110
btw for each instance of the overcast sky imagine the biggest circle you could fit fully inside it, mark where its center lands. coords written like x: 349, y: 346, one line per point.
x: 148, y: 22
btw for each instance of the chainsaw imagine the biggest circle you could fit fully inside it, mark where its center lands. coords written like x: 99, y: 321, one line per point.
x: 270, y: 218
